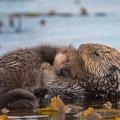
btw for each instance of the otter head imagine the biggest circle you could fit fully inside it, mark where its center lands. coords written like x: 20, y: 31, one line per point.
x: 99, y: 59
x: 67, y: 63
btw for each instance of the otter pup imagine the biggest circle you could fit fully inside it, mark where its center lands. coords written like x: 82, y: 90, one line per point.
x: 67, y: 65
x: 96, y: 69
x: 22, y: 69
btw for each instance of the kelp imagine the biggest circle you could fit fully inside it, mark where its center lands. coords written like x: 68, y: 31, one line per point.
x: 56, y: 105
x: 3, y: 117
x: 99, y: 114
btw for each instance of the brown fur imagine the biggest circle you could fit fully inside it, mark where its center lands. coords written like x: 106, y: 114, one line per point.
x: 96, y: 67
x: 19, y: 98
x: 102, y: 69
x: 22, y: 68
x: 68, y: 59
x: 68, y: 88
x: 67, y: 65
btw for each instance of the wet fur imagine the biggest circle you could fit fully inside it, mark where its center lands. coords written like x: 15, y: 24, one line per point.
x: 68, y: 87
x: 22, y: 69
x: 95, y: 69
x: 102, y: 70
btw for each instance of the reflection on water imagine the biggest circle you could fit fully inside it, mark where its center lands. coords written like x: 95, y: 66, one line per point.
x: 58, y: 116
x: 55, y: 116
x: 96, y: 104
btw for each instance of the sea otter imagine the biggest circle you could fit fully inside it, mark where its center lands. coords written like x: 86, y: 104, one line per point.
x: 65, y: 74
x: 102, y: 70
x: 94, y: 67
x: 21, y: 75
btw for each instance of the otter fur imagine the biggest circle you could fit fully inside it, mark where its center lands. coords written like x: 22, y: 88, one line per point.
x: 102, y: 70
x: 19, y: 98
x: 65, y: 75
x: 94, y: 67
x: 22, y: 69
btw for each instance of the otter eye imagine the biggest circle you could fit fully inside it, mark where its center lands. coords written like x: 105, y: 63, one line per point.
x: 96, y: 53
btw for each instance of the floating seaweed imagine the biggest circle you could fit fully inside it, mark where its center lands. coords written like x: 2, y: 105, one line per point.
x: 4, y: 117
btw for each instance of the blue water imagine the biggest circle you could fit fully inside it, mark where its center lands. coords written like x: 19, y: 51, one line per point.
x: 73, y: 30
x: 109, y: 6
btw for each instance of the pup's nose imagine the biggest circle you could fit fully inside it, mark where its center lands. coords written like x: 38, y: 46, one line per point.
x: 58, y: 72
x: 64, y: 72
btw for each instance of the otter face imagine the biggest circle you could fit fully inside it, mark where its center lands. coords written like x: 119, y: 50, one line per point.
x: 67, y: 63
x: 99, y: 59
x: 60, y: 67
x: 62, y: 80
x: 102, y: 69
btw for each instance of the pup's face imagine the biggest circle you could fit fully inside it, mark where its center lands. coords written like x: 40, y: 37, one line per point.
x: 67, y: 63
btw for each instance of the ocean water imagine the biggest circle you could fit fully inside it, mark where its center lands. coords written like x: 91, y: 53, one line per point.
x: 60, y: 30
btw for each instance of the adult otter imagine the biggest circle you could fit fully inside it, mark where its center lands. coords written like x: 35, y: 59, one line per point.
x: 22, y: 69
x: 102, y: 70
x: 96, y: 69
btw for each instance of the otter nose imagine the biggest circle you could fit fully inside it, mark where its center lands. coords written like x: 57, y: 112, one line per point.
x: 64, y: 72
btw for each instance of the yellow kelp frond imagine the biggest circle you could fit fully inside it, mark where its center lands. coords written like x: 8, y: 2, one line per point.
x: 88, y: 112
x: 45, y: 111
x: 3, y: 117
x: 85, y: 113
x: 57, y: 103
x: 117, y: 118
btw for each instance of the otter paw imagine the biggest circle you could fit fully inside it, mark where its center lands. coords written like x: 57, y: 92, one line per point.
x: 26, y: 104
x: 19, y: 98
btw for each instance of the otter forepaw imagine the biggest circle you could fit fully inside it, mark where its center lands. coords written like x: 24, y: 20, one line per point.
x: 19, y: 98
x: 23, y: 103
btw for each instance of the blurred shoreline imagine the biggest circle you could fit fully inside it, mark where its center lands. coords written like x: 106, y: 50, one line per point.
x: 25, y: 23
